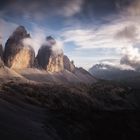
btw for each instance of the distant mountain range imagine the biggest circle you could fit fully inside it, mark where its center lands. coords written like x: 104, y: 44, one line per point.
x: 108, y: 72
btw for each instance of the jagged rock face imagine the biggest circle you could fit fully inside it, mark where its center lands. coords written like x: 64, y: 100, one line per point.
x: 55, y: 63
x: 68, y: 65
x: 43, y: 56
x: 1, y: 56
x: 16, y: 54
x: 1, y: 52
x: 48, y: 59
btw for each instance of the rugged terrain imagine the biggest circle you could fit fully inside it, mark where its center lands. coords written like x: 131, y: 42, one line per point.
x: 55, y: 112
x: 46, y: 97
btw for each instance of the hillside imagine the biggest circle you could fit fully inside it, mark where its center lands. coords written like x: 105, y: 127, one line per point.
x: 55, y: 112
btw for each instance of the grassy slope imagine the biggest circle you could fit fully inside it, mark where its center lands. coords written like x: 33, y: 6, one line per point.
x: 56, y: 112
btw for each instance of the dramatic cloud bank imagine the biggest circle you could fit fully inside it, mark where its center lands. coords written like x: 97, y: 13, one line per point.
x: 129, y: 32
x: 91, y: 30
x: 71, y: 8
x: 131, y: 57
x: 38, y: 39
x: 116, y: 64
x: 122, y: 33
x: 105, y: 36
x: 38, y: 10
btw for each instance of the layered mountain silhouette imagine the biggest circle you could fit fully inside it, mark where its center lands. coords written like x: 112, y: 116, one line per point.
x: 108, y: 72
x: 50, y: 65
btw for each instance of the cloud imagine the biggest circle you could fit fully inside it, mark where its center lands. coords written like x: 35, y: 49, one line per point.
x: 71, y: 8
x: 40, y: 10
x: 38, y: 36
x: 55, y: 45
x: 129, y: 32
x: 131, y: 53
x: 57, y: 48
x: 38, y: 39
x: 131, y: 57
x: 121, y: 33
x: 86, y: 62
x: 104, y: 36
x: 116, y: 64
x: 88, y: 38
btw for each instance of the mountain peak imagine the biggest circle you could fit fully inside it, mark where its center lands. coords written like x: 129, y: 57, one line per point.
x: 50, y: 41
x: 50, y: 38
x: 48, y: 59
x: 20, y: 28
x: 16, y: 54
x: 20, y: 33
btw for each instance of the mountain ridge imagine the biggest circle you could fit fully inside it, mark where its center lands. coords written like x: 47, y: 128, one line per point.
x: 109, y: 72
x: 50, y: 64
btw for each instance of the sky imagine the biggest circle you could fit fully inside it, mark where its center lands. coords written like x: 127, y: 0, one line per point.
x: 90, y: 31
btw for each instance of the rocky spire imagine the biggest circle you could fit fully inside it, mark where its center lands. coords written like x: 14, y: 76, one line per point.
x: 1, y: 56
x: 49, y: 59
x: 1, y: 51
x: 17, y: 55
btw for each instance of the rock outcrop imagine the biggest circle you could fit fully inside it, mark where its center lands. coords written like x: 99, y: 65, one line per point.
x: 1, y: 52
x: 48, y: 58
x: 68, y: 65
x: 50, y: 64
x: 17, y: 55
x: 1, y: 56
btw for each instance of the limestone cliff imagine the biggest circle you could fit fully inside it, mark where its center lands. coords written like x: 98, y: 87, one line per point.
x: 48, y: 58
x: 17, y: 55
x: 1, y: 56
x: 1, y: 51
x: 68, y: 65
